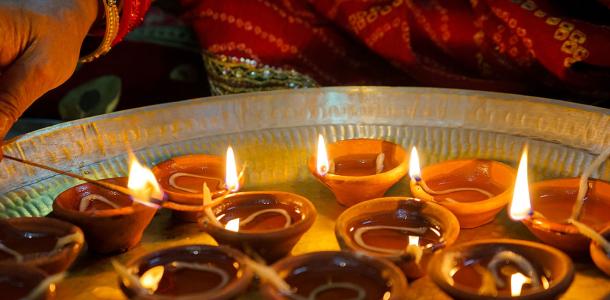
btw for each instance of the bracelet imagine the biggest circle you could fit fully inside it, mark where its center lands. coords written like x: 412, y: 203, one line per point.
x: 112, y: 28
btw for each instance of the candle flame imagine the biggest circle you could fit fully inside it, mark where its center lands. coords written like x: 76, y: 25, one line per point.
x: 231, y: 177
x: 233, y: 225
x: 414, y: 167
x: 414, y: 240
x: 143, y: 183
x: 517, y: 281
x: 322, y: 164
x: 520, y: 207
x: 151, y: 278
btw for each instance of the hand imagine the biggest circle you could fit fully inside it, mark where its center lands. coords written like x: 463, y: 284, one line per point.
x: 39, y: 49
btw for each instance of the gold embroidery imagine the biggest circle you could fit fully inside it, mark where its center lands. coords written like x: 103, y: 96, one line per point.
x: 581, y: 53
x: 569, y: 46
x: 528, y: 5
x: 568, y: 61
x: 578, y: 36
x: 561, y: 34
x: 553, y: 21
x: 539, y: 13
x: 566, y: 25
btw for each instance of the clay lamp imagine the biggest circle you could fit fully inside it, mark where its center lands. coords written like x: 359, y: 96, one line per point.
x: 113, y: 222
x: 182, y: 179
x: 359, y: 169
x: 564, y: 213
x: 502, y: 269
x: 49, y: 244
x: 25, y: 282
x: 475, y: 190
x: 600, y: 251
x: 403, y: 230
x: 186, y: 272
x: 334, y: 275
x: 262, y: 223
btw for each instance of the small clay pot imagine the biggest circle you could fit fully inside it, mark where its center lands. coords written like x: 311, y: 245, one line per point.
x: 18, y: 280
x: 554, y: 200
x: 378, y: 278
x: 35, y: 239
x: 109, y: 230
x: 599, y: 256
x: 550, y: 262
x: 354, y: 179
x: 472, y: 209
x: 192, y: 284
x: 268, y: 238
x: 398, y: 212
x: 186, y: 205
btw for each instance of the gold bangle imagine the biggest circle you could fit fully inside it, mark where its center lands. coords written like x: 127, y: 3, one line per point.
x: 112, y: 29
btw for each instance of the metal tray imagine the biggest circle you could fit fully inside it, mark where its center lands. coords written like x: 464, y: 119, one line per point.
x: 276, y: 131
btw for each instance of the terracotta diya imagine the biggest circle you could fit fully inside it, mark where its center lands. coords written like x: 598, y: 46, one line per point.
x: 49, y: 244
x: 20, y: 281
x: 182, y: 179
x: 600, y: 256
x: 268, y: 223
x: 359, y: 169
x: 403, y: 230
x: 332, y: 275
x: 502, y: 269
x: 187, y: 272
x: 112, y: 222
x: 475, y: 190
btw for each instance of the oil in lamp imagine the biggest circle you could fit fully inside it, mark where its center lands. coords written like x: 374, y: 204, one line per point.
x: 475, y: 190
x: 112, y: 221
x: 565, y: 213
x: 502, y: 269
x: 46, y: 243
x: 186, y: 272
x: 25, y: 282
x: 359, y: 169
x: 344, y: 275
x: 403, y: 230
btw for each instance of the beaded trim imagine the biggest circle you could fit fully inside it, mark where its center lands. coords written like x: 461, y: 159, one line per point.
x: 112, y: 28
x: 231, y: 75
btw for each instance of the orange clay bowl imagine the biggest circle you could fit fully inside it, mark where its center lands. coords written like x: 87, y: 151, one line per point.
x: 269, y: 241
x: 190, y: 284
x: 554, y: 199
x: 599, y: 256
x: 35, y: 238
x: 556, y: 266
x: 186, y: 205
x: 107, y: 230
x: 399, y: 212
x: 471, y: 208
x: 379, y: 278
x: 18, y: 280
x: 349, y: 187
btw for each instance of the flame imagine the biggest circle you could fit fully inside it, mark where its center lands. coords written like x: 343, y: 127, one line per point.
x: 322, y: 163
x: 231, y: 177
x: 520, y: 206
x: 233, y: 225
x: 151, y: 278
x: 142, y: 182
x: 414, y: 240
x: 414, y: 168
x: 517, y: 281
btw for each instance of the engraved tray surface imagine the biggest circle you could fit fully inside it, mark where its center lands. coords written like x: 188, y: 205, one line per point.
x: 276, y: 131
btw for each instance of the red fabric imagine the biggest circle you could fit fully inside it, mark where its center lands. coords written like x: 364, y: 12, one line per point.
x: 132, y: 15
x: 506, y: 45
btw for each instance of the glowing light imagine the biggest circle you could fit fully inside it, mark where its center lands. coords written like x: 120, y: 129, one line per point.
x: 520, y: 207
x: 322, y: 164
x: 414, y: 240
x: 151, y: 278
x: 517, y: 281
x: 233, y: 225
x: 231, y: 177
x: 414, y: 167
x: 143, y: 183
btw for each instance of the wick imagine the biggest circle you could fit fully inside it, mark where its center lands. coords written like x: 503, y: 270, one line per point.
x: 224, y: 277
x: 76, y: 237
x: 420, y: 181
x: 17, y: 255
x: 269, y: 274
x: 280, y: 211
x: 592, y: 234
x: 521, y: 262
x: 584, y: 183
x: 86, y: 201
x: 207, y: 201
x: 409, y: 250
x: 175, y: 176
x: 488, y: 283
x: 128, y: 278
x: 44, y: 285
x: 379, y: 163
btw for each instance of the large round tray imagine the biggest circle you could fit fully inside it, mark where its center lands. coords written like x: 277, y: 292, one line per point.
x: 276, y: 131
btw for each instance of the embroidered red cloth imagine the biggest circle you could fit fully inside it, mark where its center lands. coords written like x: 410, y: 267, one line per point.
x: 502, y: 45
